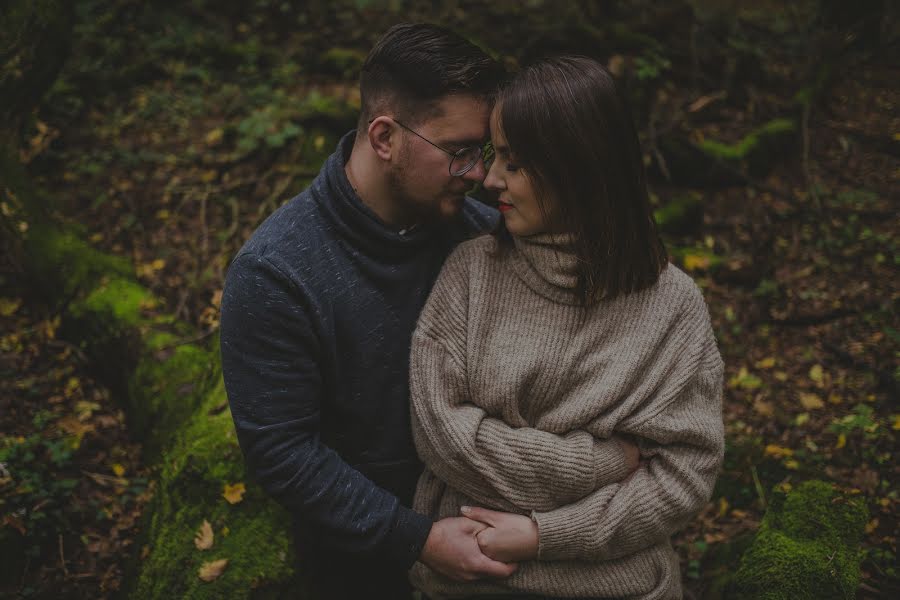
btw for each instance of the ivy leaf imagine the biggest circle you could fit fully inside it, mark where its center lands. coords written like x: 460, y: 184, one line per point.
x: 204, y: 537
x: 210, y: 571
x: 234, y: 493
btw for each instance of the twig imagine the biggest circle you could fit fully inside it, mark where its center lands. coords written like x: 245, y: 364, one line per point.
x: 62, y: 557
x: 758, y: 485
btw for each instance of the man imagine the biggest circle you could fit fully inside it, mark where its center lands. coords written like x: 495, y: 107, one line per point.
x: 320, y: 304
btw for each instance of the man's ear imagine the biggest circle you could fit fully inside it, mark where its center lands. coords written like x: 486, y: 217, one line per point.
x: 381, y: 137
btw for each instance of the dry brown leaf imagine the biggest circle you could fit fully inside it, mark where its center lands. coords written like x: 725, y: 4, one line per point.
x: 204, y: 537
x: 763, y: 408
x: 810, y: 401
x: 210, y: 571
x: 234, y: 493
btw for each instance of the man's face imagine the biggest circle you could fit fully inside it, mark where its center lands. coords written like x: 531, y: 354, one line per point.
x: 420, y: 177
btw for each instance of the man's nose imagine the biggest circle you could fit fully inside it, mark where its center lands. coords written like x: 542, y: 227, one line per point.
x: 477, y: 172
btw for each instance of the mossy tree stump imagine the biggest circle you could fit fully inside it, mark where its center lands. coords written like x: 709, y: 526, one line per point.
x: 807, y: 547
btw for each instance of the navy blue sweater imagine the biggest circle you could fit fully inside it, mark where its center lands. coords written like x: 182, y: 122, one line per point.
x: 317, y: 315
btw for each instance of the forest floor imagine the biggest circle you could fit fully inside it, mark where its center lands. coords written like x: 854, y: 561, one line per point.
x: 171, y: 134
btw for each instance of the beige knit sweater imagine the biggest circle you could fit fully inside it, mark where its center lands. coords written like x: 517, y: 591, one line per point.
x: 516, y: 391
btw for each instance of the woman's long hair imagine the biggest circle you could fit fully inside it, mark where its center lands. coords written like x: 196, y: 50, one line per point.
x: 568, y: 125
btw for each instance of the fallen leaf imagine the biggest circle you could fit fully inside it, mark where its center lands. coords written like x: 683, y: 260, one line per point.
x: 234, y: 493
x: 841, y: 441
x: 810, y: 401
x: 896, y: 425
x: 766, y: 363
x: 801, y: 419
x: 872, y: 525
x: 763, y: 408
x: 210, y: 571
x: 745, y: 380
x: 692, y: 262
x: 8, y: 307
x: 817, y: 374
x: 204, y: 537
x: 776, y: 451
x: 118, y: 469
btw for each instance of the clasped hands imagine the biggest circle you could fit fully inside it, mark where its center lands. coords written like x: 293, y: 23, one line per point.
x: 487, y: 543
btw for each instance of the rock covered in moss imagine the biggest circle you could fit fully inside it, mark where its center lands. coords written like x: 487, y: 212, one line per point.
x: 807, y: 547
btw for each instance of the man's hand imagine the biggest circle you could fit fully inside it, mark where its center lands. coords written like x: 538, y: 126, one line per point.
x: 508, y: 537
x: 632, y: 454
x: 452, y: 549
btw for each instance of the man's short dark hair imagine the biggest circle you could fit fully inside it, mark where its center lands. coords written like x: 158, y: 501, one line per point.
x: 414, y: 65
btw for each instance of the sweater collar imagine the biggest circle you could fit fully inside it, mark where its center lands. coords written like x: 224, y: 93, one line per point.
x: 355, y: 221
x: 547, y: 264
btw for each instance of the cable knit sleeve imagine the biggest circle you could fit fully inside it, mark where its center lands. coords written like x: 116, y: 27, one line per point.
x: 682, y: 444
x: 528, y: 469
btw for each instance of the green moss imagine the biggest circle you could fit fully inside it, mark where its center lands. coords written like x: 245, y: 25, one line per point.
x: 251, y: 534
x: 117, y: 299
x: 807, y: 547
x: 166, y: 387
x: 751, y: 143
x: 63, y: 263
x: 680, y: 214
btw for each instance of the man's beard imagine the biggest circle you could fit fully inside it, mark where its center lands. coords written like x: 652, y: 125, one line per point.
x: 416, y: 210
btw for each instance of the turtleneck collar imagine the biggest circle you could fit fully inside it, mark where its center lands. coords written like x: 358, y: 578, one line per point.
x: 355, y: 221
x: 547, y: 264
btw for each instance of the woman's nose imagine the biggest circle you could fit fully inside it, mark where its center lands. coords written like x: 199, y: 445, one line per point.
x: 493, y: 181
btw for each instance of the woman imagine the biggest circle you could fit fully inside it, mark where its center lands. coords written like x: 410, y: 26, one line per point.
x: 541, y: 343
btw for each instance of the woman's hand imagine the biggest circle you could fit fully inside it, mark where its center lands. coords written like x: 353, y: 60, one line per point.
x: 509, y: 538
x: 632, y: 454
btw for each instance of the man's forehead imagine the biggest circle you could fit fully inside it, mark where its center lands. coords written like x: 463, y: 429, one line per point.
x: 463, y: 117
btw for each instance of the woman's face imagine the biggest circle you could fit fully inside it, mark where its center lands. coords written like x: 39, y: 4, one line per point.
x: 518, y: 197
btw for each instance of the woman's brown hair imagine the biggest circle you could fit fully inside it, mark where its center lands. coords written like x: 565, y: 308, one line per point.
x: 568, y: 125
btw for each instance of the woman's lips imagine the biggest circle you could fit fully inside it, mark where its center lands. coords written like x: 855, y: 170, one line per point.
x: 504, y: 206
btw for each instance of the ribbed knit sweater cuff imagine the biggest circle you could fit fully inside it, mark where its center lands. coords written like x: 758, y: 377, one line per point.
x: 560, y: 533
x: 609, y: 462
x: 407, y: 538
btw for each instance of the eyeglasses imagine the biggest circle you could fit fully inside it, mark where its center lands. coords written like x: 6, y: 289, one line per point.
x: 461, y: 161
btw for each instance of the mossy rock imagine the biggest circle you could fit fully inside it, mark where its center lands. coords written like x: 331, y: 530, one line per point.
x: 251, y: 534
x: 715, y: 163
x: 807, y: 547
x: 176, y: 405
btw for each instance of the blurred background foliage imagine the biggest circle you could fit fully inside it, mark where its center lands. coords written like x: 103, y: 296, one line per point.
x: 166, y: 131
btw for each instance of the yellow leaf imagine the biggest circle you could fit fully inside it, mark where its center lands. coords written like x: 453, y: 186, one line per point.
x: 791, y: 464
x: 9, y: 307
x: 723, y: 506
x: 841, y: 441
x: 208, y: 175
x: 810, y: 401
x: 214, y: 136
x: 766, y: 363
x: 234, y: 493
x: 85, y: 409
x: 781, y: 376
x: 204, y: 537
x: 162, y: 214
x: 776, y: 451
x: 158, y: 264
x: 692, y: 262
x: 817, y: 374
x: 896, y: 424
x: 210, y: 571
x: 319, y: 142
x: 118, y: 469
x: 835, y: 398
x: 801, y: 419
x: 872, y: 525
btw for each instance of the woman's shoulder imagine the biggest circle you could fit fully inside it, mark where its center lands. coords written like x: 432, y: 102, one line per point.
x: 476, y: 250
x: 677, y: 287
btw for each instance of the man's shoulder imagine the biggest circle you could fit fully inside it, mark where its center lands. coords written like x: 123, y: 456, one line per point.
x: 478, y: 217
x: 289, y: 233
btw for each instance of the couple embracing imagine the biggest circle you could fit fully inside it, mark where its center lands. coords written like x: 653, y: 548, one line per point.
x: 513, y: 403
